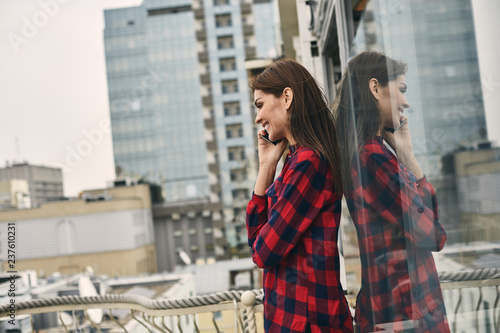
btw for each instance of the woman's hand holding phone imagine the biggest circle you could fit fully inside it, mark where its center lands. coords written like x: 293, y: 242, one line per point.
x: 269, y: 156
x: 399, y: 140
x: 270, y: 152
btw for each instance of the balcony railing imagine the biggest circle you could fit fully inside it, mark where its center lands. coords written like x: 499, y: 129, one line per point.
x: 151, y: 314
x: 463, y: 315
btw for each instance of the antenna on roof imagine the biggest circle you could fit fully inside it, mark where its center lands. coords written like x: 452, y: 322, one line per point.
x: 18, y: 149
x: 185, y: 257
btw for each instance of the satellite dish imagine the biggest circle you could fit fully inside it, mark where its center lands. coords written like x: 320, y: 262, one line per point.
x: 86, y: 288
x: 90, y: 270
x: 185, y: 257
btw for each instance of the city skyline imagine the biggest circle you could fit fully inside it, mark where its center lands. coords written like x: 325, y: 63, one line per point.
x: 59, y: 72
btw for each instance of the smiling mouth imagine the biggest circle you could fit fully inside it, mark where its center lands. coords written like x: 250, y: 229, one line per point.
x: 266, y: 126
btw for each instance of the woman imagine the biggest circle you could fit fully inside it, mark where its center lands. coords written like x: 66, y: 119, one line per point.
x: 293, y: 221
x: 391, y: 203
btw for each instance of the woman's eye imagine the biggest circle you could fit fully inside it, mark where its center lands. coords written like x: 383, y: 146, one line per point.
x: 403, y: 91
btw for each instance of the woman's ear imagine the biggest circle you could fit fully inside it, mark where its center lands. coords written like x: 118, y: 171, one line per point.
x: 287, y: 97
x: 374, y: 88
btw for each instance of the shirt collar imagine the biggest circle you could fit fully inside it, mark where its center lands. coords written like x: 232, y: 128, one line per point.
x: 293, y: 148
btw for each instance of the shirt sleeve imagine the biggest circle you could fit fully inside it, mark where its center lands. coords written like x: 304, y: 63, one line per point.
x: 274, y: 231
x: 408, y: 204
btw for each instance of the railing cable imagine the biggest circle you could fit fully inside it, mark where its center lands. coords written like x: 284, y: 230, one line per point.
x: 60, y: 318
x: 92, y: 322
x: 116, y: 321
x: 140, y: 322
x: 165, y: 326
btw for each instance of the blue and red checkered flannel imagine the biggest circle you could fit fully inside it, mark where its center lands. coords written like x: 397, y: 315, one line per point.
x: 397, y: 223
x: 293, y: 235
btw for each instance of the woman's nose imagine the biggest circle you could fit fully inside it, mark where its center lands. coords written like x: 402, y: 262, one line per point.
x: 257, y: 118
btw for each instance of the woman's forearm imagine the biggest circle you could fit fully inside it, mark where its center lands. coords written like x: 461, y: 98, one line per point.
x: 264, y: 179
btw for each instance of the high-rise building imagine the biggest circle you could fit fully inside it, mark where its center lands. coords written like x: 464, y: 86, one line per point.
x: 44, y: 183
x: 180, y: 104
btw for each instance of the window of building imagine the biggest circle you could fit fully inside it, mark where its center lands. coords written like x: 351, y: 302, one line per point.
x: 227, y: 64
x: 232, y: 109
x: 221, y: 2
x: 240, y: 194
x: 223, y: 20
x: 225, y: 42
x: 229, y: 86
x: 236, y: 153
x: 234, y: 131
x: 238, y: 175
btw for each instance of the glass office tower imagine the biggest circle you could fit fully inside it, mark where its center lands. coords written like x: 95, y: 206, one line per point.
x: 181, y: 109
x: 154, y: 86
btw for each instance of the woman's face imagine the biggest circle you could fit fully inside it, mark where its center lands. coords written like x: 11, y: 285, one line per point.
x: 392, y: 102
x: 272, y: 114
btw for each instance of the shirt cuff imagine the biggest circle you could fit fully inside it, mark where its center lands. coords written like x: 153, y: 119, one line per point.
x: 421, y: 182
x: 260, y: 200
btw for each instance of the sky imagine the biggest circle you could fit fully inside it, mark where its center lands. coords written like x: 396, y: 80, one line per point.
x: 53, y: 89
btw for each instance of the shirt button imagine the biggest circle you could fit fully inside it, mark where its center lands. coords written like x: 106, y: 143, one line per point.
x: 431, y: 311
x: 420, y: 210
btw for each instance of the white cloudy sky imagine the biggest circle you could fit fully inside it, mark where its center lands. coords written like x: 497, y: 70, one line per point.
x: 53, y: 88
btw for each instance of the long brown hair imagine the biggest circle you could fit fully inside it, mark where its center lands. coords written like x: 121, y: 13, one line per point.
x: 311, y: 121
x: 356, y: 114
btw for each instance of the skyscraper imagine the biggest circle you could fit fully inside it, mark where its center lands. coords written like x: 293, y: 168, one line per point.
x: 180, y: 107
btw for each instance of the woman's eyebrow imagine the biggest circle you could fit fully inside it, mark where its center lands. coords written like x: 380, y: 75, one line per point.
x: 256, y: 101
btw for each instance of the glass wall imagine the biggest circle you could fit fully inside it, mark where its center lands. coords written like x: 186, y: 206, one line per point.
x: 421, y: 224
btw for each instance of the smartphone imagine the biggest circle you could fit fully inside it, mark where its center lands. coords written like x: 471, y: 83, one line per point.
x: 392, y: 130
x: 265, y: 136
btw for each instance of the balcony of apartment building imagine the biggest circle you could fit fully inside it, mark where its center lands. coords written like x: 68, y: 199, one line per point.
x: 245, y: 7
x: 199, y: 13
x: 209, y: 123
x: 130, y: 311
x: 203, y: 56
x: 207, y: 100
x: 201, y: 35
x: 212, y: 145
x: 250, y: 52
x: 248, y: 29
x: 205, y: 79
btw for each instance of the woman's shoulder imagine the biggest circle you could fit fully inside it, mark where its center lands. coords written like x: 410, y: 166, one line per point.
x: 374, y: 151
x: 304, y: 154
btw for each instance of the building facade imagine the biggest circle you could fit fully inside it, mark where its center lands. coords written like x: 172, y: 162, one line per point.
x: 181, y: 109
x: 478, y: 184
x: 14, y: 194
x: 44, y: 183
x: 110, y: 230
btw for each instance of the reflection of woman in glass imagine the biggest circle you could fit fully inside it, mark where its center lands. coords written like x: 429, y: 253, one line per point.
x: 391, y: 203
x: 293, y: 221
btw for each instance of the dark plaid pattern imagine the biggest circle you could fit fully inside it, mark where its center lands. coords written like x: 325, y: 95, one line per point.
x: 397, y: 223
x: 293, y: 235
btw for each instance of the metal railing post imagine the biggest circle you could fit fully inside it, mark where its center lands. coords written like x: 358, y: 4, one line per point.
x: 248, y: 299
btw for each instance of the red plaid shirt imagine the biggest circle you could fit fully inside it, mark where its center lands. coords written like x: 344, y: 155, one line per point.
x: 293, y: 235
x: 397, y: 222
